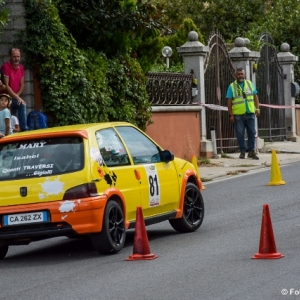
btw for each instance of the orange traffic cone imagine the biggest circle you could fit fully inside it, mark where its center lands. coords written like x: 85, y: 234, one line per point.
x: 275, y: 178
x: 141, y: 248
x: 267, y: 246
x: 195, y: 163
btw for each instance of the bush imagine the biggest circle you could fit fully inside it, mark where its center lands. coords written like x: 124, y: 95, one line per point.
x: 80, y: 86
x: 130, y: 98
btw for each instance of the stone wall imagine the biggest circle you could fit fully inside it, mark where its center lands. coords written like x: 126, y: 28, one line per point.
x: 14, y: 27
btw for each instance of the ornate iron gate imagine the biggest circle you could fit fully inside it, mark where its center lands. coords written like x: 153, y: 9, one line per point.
x: 269, y: 82
x: 219, y: 73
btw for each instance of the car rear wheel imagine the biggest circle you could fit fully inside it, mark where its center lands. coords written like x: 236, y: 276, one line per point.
x: 112, y: 237
x: 193, y: 210
x: 3, y: 251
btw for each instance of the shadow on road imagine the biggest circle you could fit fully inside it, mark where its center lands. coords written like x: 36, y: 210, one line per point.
x: 58, y: 250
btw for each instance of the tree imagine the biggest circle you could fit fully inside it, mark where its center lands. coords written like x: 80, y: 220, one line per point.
x: 175, y: 11
x: 81, y: 86
x: 180, y: 37
x: 111, y: 26
x: 4, y: 16
x: 281, y: 19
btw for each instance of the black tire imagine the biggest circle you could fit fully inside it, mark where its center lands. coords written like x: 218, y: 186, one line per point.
x: 112, y: 237
x: 3, y: 251
x: 193, y: 210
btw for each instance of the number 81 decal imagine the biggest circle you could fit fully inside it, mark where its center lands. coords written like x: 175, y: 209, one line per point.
x: 153, y: 182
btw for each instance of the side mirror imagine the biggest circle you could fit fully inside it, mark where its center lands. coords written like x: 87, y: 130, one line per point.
x: 167, y: 156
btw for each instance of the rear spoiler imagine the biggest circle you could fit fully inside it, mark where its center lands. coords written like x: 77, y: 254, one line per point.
x: 40, y: 135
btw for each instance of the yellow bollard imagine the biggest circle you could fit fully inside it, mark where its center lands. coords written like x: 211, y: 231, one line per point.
x: 275, y: 177
x: 195, y: 163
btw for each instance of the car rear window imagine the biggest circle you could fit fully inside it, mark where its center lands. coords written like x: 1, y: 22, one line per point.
x: 44, y: 157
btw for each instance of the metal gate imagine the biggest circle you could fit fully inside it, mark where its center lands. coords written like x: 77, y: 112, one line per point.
x: 169, y: 88
x: 269, y: 82
x: 218, y: 74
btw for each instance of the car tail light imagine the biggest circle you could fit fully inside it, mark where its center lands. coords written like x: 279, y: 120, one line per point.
x: 81, y: 191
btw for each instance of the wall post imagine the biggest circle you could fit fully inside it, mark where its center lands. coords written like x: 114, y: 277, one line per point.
x: 287, y: 61
x: 193, y: 53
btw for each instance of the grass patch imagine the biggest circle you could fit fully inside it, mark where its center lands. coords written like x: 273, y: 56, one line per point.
x: 236, y: 172
x: 205, y: 179
x: 266, y: 164
x: 204, y: 161
x: 224, y: 155
x: 245, y: 166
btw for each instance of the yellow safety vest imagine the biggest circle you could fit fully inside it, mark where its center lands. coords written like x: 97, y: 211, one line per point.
x: 238, y: 100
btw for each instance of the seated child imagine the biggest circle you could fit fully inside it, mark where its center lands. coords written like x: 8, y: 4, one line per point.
x: 14, y: 122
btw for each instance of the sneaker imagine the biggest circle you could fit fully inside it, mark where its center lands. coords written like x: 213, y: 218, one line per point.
x: 253, y: 155
x: 242, y: 155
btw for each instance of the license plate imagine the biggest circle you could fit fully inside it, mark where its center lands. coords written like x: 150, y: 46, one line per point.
x: 25, y: 218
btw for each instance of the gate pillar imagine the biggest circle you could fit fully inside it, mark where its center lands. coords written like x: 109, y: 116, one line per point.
x: 244, y: 58
x: 193, y: 53
x: 287, y: 61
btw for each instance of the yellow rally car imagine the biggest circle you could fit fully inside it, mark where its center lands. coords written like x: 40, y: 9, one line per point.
x: 89, y: 179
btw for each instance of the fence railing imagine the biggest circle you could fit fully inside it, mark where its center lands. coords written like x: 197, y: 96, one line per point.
x: 169, y: 88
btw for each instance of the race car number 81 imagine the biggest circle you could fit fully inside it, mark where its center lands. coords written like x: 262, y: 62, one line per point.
x: 154, y: 187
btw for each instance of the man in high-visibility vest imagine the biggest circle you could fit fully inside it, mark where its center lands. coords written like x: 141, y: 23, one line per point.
x: 243, y: 106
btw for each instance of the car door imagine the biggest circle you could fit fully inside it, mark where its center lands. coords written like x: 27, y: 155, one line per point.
x: 158, y: 180
x: 118, y: 171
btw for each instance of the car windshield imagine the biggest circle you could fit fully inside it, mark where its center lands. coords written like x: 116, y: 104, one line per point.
x: 44, y: 157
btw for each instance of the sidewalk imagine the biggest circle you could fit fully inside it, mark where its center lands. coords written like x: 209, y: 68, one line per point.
x: 232, y: 165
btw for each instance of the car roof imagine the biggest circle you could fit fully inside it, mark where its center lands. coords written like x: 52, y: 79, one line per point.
x: 60, y: 131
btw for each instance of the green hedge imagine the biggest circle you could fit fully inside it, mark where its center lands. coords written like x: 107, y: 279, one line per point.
x: 81, y: 86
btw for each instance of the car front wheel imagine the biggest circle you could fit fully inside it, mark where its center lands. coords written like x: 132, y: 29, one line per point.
x: 193, y: 210
x: 112, y: 237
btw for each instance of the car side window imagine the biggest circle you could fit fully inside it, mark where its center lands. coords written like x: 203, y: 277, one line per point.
x: 141, y: 148
x: 111, y: 148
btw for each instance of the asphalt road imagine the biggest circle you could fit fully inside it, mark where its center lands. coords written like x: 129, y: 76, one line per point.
x: 212, y: 263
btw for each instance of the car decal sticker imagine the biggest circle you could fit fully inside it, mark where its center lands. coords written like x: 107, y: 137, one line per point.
x: 51, y: 187
x: 96, y: 156
x: 32, y: 145
x: 110, y: 178
x: 153, y: 184
x: 67, y: 206
x: 101, y: 172
x: 39, y: 170
x: 26, y: 157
